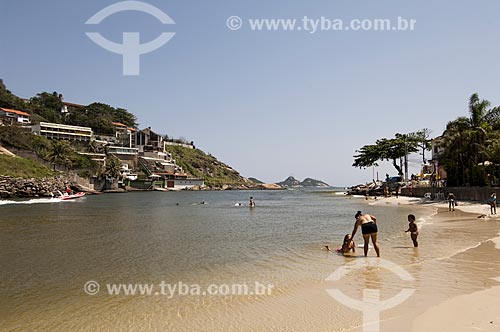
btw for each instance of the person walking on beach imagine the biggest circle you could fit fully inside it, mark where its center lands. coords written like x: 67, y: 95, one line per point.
x: 413, y: 229
x: 369, y: 229
x: 493, y: 203
x: 451, y: 202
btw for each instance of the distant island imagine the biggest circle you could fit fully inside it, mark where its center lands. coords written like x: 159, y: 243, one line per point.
x: 292, y: 182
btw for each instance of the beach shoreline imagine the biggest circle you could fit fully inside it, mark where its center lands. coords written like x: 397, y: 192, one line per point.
x: 474, y: 309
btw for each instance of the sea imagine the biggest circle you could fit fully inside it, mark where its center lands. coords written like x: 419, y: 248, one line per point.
x: 206, y: 261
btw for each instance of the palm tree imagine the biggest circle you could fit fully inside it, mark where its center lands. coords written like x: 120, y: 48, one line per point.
x: 480, y: 113
x: 113, y: 167
x: 467, y: 138
x: 60, y: 153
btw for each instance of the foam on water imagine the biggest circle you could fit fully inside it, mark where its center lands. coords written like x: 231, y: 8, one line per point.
x: 33, y: 201
x: 496, y: 241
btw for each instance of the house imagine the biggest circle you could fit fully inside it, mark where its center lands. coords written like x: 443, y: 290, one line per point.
x: 124, y: 134
x: 68, y: 107
x: 179, y: 143
x: 128, y: 156
x: 63, y: 132
x: 147, y: 140
x: 9, y: 116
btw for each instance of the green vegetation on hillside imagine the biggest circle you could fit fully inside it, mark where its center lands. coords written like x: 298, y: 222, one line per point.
x: 256, y: 181
x: 55, y: 152
x: 46, y: 107
x: 24, y: 168
x: 200, y: 165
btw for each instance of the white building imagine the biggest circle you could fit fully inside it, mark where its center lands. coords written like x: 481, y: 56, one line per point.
x: 63, y: 132
x: 14, y: 116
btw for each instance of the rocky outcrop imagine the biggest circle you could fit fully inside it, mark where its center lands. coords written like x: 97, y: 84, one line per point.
x: 11, y: 187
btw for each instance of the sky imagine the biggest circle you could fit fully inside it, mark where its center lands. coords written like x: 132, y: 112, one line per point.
x: 271, y: 104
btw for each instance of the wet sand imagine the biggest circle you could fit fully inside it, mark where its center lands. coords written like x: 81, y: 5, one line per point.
x: 473, y: 304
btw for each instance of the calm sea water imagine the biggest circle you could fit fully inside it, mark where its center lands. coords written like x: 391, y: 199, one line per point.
x: 49, y: 251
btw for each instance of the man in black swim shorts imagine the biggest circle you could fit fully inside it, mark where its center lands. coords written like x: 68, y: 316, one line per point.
x: 369, y: 229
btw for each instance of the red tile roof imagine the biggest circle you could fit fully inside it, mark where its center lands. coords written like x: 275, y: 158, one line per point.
x: 15, y: 112
x: 118, y: 124
x: 74, y: 105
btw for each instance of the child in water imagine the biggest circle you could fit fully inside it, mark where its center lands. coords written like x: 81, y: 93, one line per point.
x: 413, y: 229
x: 347, y: 246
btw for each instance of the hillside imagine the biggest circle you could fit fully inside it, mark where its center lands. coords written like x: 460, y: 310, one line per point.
x: 256, y: 181
x: 50, y: 107
x: 291, y: 182
x: 198, y: 164
x: 308, y: 182
x: 23, y: 168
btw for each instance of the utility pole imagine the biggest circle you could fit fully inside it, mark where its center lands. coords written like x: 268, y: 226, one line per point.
x: 406, y: 159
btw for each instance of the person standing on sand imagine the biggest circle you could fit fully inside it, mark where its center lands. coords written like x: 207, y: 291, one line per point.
x: 369, y: 229
x: 451, y: 202
x: 493, y: 203
x: 413, y: 229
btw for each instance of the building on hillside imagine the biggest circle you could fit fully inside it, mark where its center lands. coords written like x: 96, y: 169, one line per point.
x: 8, y: 116
x: 181, y: 144
x: 126, y: 155
x: 124, y: 134
x: 147, y: 140
x: 68, y: 107
x: 62, y: 132
x: 181, y: 181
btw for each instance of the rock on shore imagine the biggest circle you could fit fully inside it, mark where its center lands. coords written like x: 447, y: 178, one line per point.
x: 11, y: 187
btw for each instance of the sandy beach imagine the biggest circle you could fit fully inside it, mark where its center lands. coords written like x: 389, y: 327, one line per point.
x: 474, y: 310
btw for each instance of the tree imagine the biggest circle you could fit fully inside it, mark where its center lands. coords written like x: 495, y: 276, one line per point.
x: 9, y: 100
x: 100, y: 118
x: 468, y: 141
x: 113, y: 167
x: 423, y: 141
x: 47, y: 106
x: 60, y: 153
x: 393, y: 149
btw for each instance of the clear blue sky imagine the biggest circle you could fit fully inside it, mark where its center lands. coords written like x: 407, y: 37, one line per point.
x: 271, y: 104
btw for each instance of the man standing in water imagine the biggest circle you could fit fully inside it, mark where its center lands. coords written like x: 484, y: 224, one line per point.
x: 369, y: 229
x: 252, y: 202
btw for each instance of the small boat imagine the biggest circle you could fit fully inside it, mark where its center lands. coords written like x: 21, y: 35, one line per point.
x: 66, y: 196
